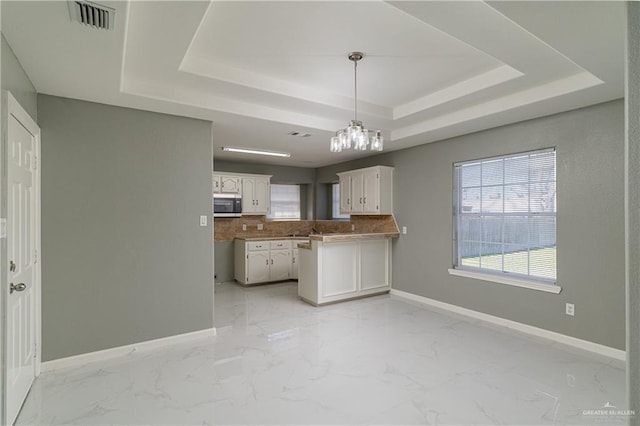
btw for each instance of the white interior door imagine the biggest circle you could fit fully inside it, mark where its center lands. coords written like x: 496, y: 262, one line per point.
x: 22, y: 328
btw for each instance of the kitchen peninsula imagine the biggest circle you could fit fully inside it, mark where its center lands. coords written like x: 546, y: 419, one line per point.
x: 337, y: 267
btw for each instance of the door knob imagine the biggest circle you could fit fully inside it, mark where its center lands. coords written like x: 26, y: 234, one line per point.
x: 19, y: 287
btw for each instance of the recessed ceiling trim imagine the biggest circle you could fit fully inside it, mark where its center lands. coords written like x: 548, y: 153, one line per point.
x: 164, y: 92
x: 539, y: 93
x: 205, y: 68
x: 456, y: 91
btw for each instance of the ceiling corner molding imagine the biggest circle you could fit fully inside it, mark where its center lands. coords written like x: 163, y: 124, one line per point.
x: 562, y: 86
x: 474, y: 84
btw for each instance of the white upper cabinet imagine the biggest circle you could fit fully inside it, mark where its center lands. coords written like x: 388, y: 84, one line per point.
x: 255, y: 190
x: 228, y: 184
x: 367, y: 191
x: 345, y: 194
x: 255, y: 195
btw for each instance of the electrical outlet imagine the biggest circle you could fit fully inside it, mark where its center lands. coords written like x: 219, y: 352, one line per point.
x: 260, y: 227
x: 244, y: 226
x: 203, y: 220
x: 353, y: 227
x: 404, y: 229
x: 570, y: 309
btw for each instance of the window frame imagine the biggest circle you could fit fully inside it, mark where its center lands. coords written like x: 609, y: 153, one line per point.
x: 334, y: 202
x: 499, y: 276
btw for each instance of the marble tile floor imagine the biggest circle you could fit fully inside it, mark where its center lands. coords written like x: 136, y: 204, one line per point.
x: 380, y: 360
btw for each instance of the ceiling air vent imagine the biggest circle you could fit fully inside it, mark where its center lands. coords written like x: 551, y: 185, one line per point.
x: 92, y: 14
x: 299, y: 134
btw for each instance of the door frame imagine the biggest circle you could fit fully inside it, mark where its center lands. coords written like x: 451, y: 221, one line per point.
x: 19, y: 113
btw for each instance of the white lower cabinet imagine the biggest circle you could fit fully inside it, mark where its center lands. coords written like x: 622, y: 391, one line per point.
x: 280, y: 266
x: 257, y: 267
x: 265, y: 261
x: 334, y: 271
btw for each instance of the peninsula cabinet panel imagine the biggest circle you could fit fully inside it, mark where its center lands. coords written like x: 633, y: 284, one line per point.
x: 334, y: 271
x: 374, y: 270
x: 339, y: 263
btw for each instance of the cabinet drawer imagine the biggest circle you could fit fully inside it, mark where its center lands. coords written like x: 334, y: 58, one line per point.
x: 280, y: 245
x: 257, y: 245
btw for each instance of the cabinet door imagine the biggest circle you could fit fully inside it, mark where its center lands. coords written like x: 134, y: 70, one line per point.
x: 357, y: 192
x: 370, y: 192
x: 248, y: 195
x: 345, y: 194
x: 216, y: 183
x: 374, y: 264
x: 262, y: 195
x: 294, y: 264
x: 258, y: 267
x: 280, y: 265
x: 230, y: 184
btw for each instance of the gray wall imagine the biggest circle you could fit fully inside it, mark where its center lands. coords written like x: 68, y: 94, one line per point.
x: 14, y: 79
x: 590, y: 222
x: 633, y: 208
x: 123, y: 255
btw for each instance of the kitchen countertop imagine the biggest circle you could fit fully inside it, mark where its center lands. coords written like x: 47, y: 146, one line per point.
x: 332, y: 238
x: 336, y: 238
x: 258, y: 238
x: 325, y: 238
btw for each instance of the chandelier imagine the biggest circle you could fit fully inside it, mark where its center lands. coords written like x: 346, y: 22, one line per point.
x: 355, y: 135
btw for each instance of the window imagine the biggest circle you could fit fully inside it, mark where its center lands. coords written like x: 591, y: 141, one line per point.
x: 335, y: 203
x: 505, y: 215
x: 285, y: 202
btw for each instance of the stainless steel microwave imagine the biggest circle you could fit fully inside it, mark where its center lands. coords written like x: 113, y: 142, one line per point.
x: 227, y: 205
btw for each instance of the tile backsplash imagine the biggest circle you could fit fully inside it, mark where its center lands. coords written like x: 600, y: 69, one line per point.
x: 226, y: 229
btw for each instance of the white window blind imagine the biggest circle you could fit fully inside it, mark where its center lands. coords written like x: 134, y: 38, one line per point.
x: 335, y: 203
x: 285, y: 202
x: 505, y: 215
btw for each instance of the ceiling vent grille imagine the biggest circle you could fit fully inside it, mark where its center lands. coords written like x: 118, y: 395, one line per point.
x: 92, y: 14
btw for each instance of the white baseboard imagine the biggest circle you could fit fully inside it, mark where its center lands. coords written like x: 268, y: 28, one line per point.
x: 524, y: 328
x: 106, y: 354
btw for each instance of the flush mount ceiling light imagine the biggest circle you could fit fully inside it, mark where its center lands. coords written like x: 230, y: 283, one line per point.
x: 256, y: 151
x: 355, y: 135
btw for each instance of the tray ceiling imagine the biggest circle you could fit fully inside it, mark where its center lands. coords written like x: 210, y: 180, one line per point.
x: 259, y: 70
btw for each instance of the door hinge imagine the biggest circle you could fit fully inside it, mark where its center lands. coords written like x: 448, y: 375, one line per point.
x: 35, y: 256
x: 35, y: 162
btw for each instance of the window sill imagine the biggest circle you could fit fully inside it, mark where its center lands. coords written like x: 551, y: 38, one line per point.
x: 549, y: 288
